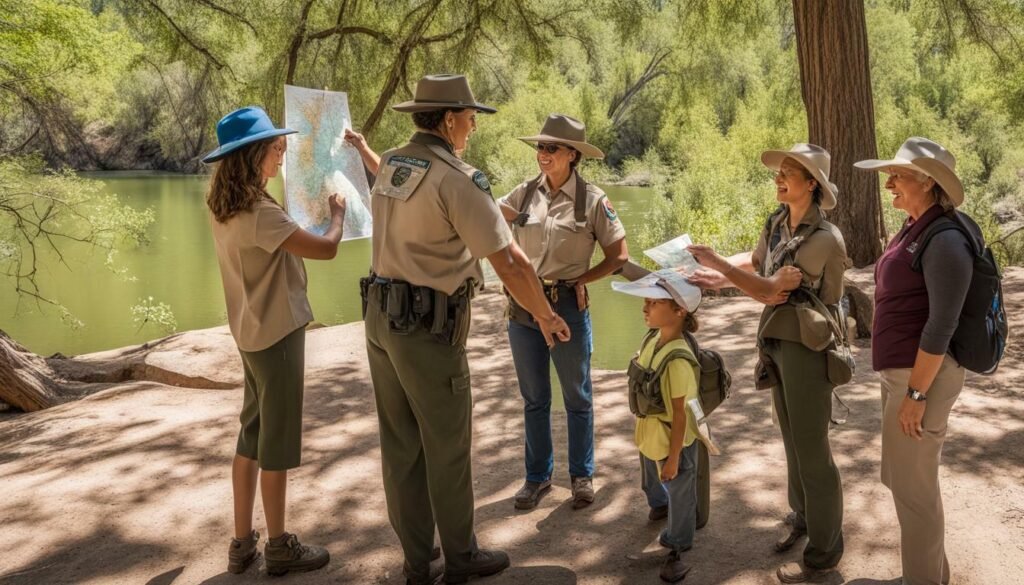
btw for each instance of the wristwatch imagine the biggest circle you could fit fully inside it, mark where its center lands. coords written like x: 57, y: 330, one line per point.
x: 521, y: 219
x: 916, y: 395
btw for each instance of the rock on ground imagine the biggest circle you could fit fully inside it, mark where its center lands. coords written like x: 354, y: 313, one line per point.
x: 132, y: 484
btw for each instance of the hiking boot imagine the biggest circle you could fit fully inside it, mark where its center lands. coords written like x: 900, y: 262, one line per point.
x: 785, y: 543
x: 285, y: 553
x: 529, y: 495
x: 582, y: 492
x: 483, y: 563
x: 429, y: 574
x: 241, y: 553
x: 658, y: 513
x: 673, y: 570
x: 800, y: 573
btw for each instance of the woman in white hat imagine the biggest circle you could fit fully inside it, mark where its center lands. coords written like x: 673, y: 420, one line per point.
x: 916, y: 313
x: 798, y: 256
x: 557, y: 218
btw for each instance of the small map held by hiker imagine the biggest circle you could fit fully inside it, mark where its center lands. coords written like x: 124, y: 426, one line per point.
x: 319, y: 162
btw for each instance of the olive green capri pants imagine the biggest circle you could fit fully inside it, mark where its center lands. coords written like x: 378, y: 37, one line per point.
x: 272, y: 408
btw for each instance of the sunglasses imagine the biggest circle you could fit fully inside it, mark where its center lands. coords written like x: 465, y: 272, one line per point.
x: 549, y: 148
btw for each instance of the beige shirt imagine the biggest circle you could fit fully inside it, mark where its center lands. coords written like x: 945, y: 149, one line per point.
x: 433, y: 217
x: 822, y: 259
x: 264, y: 286
x: 557, y: 247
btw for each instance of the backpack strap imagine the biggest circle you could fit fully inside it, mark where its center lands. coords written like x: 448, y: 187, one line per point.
x: 579, y: 205
x: 678, y: 353
x: 943, y: 223
x: 787, y: 255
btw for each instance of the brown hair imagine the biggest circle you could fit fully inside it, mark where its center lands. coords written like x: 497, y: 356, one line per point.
x: 238, y: 182
x: 691, y: 325
x: 816, y: 194
x: 432, y: 119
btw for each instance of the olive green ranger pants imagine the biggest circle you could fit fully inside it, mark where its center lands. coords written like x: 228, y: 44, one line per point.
x: 803, y: 402
x: 424, y: 407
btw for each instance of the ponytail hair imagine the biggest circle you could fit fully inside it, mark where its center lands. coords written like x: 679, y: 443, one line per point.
x: 691, y: 325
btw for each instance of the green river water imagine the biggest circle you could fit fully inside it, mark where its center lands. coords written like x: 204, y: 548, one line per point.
x: 179, y: 268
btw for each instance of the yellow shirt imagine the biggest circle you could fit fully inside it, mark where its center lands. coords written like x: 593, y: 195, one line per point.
x: 679, y: 380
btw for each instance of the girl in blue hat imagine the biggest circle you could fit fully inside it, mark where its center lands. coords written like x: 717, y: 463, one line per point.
x: 260, y: 251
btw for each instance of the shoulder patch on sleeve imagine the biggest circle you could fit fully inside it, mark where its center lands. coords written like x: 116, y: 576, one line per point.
x: 609, y: 211
x: 480, y: 180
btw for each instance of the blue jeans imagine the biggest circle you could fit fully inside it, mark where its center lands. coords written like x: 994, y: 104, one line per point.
x: 572, y: 363
x: 680, y: 495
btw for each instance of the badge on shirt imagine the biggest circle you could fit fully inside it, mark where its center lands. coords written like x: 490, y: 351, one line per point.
x: 609, y: 211
x: 480, y: 180
x: 400, y: 177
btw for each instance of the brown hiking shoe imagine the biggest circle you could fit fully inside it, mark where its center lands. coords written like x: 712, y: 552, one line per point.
x: 673, y: 570
x: 429, y: 574
x: 483, y: 563
x: 285, y: 553
x: 786, y: 542
x: 800, y: 573
x: 582, y: 492
x: 241, y: 553
x: 529, y: 495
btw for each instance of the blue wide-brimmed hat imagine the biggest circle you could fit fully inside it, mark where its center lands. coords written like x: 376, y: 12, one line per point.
x: 241, y: 127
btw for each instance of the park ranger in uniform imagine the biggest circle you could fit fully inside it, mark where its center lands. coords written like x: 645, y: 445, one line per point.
x: 433, y: 219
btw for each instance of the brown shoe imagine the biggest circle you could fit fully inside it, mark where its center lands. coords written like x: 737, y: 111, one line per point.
x: 659, y: 513
x: 786, y: 542
x: 429, y: 574
x: 673, y: 570
x: 582, y: 492
x: 800, y: 573
x: 285, y: 554
x: 483, y: 563
x: 529, y: 495
x: 241, y: 553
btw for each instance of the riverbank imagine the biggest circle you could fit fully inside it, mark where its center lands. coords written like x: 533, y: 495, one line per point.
x: 131, y: 484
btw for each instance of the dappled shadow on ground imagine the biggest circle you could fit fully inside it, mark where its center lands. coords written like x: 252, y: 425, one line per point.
x: 134, y: 482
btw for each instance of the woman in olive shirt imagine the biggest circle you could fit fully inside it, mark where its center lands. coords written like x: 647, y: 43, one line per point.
x: 797, y: 247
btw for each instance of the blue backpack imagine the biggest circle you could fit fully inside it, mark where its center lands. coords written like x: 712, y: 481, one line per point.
x: 980, y: 337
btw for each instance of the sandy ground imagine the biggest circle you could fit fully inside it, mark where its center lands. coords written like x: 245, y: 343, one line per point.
x: 131, y: 485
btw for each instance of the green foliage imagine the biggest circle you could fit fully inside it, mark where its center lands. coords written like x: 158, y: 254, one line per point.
x: 155, y: 313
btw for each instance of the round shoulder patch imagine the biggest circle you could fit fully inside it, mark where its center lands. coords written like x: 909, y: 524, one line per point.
x: 480, y: 180
x: 609, y: 211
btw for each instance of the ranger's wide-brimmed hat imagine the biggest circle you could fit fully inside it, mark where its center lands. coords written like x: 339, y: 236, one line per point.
x: 241, y: 127
x: 815, y: 159
x: 562, y: 129
x: 437, y: 92
x: 924, y: 156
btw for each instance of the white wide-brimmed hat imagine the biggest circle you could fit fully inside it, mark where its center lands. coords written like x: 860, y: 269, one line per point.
x: 663, y: 284
x: 815, y: 159
x: 925, y: 156
x: 562, y: 129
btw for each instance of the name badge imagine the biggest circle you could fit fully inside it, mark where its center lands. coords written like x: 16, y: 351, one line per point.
x: 400, y: 177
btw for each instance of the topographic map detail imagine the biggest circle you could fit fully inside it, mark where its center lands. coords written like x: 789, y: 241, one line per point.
x: 319, y: 162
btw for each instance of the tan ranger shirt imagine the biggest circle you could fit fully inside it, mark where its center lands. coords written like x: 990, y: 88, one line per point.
x: 264, y: 286
x: 555, y: 245
x: 822, y: 259
x: 433, y: 217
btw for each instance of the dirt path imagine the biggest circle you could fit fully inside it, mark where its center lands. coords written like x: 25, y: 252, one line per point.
x: 131, y: 485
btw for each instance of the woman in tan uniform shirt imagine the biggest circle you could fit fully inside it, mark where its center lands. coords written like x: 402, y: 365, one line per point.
x: 558, y: 219
x: 260, y: 250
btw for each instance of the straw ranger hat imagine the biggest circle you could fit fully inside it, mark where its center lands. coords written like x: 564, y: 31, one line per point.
x: 924, y: 156
x: 815, y: 159
x: 436, y: 92
x: 562, y: 129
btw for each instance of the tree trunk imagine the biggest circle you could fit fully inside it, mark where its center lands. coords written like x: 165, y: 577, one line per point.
x: 832, y: 48
x: 26, y: 381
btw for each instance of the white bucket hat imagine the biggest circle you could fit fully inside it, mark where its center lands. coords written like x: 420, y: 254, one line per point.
x: 925, y: 156
x: 815, y: 159
x: 663, y: 284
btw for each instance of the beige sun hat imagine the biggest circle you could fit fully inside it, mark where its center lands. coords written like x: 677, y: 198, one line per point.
x: 925, y: 156
x: 815, y: 159
x: 563, y: 129
x: 435, y: 92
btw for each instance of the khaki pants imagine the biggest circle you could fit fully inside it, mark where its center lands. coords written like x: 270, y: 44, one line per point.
x: 910, y: 468
x: 424, y: 407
